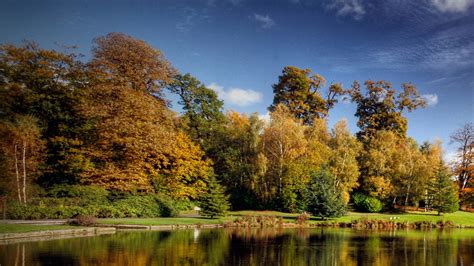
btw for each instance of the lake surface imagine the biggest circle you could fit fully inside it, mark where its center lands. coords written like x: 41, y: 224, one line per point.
x: 238, y: 246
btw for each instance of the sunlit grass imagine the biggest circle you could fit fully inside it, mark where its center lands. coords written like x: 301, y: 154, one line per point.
x: 25, y: 228
x: 459, y: 218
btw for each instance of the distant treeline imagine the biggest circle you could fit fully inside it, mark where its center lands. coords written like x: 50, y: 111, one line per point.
x: 106, y: 123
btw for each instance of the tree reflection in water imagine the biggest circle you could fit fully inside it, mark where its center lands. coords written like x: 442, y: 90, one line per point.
x: 250, y: 246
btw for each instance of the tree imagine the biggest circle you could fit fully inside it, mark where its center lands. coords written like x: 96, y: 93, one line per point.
x: 239, y: 163
x: 464, y: 164
x: 443, y: 192
x: 381, y: 109
x: 323, y: 198
x: 214, y: 202
x: 21, y: 149
x: 203, y: 118
x: 379, y: 163
x: 121, y: 60
x: 136, y: 139
x: 343, y: 160
x: 48, y: 85
x: 284, y: 144
x: 300, y: 91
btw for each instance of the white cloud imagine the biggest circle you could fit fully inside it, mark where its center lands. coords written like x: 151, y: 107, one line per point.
x: 265, y: 21
x: 344, y: 8
x: 450, y: 156
x: 236, y: 96
x: 431, y: 99
x: 265, y: 117
x: 452, y: 5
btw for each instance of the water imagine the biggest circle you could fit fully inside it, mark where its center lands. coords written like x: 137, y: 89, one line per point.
x: 320, y: 246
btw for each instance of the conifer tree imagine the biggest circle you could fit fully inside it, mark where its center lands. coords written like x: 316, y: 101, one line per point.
x: 214, y: 202
x: 444, y: 193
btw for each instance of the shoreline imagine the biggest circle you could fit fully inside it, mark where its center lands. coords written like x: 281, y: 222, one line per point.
x: 101, y: 229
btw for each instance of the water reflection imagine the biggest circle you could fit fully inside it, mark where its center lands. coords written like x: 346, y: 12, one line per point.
x: 239, y: 246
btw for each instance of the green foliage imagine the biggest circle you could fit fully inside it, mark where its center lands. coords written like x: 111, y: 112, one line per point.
x: 87, y: 195
x: 70, y: 201
x: 381, y: 109
x: 300, y: 91
x: 214, y: 202
x: 323, y: 198
x: 366, y: 203
x: 444, y: 194
x: 203, y: 117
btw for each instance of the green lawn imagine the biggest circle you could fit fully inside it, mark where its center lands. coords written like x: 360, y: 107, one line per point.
x: 162, y: 221
x: 459, y: 218
x: 24, y: 228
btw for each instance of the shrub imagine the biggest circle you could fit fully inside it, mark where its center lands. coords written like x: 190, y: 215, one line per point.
x: 167, y: 207
x: 302, y: 219
x: 82, y: 195
x: 85, y: 220
x: 323, y: 200
x: 372, y: 204
x: 366, y: 203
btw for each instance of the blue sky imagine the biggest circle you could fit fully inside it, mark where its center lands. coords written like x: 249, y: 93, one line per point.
x: 239, y: 47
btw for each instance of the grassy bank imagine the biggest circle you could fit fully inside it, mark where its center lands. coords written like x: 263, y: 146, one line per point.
x: 459, y: 218
x: 26, y: 228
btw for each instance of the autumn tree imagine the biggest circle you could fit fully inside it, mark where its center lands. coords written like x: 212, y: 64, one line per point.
x: 343, y: 164
x: 464, y: 163
x: 301, y: 91
x: 284, y: 144
x: 121, y: 60
x: 136, y: 140
x: 379, y: 163
x: 47, y: 84
x: 381, y: 108
x: 21, y: 148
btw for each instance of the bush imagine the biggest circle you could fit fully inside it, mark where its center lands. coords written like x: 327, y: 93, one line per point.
x: 366, y: 203
x: 323, y: 200
x: 302, y: 219
x: 85, y: 220
x: 82, y: 195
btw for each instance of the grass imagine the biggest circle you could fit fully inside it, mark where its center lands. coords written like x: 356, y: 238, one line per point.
x: 459, y: 218
x: 163, y: 221
x: 25, y: 228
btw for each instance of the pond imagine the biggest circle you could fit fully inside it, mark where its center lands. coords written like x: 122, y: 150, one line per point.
x: 239, y: 246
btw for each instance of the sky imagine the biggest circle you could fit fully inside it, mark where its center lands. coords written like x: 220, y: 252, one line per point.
x: 239, y: 47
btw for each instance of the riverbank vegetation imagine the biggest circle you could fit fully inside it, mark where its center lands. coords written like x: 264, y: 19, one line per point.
x: 98, y: 138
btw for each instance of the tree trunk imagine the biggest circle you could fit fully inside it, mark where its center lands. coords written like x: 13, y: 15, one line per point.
x: 17, y: 173
x: 24, y: 172
x: 407, y: 195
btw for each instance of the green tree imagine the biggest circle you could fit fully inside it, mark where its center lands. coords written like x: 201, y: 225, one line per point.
x: 380, y: 108
x: 322, y: 196
x: 443, y: 192
x: 239, y: 162
x: 214, y: 202
x: 301, y: 92
x: 203, y: 118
